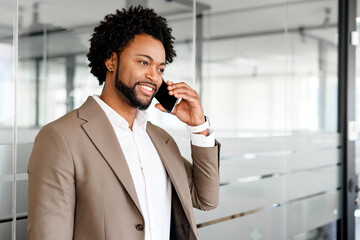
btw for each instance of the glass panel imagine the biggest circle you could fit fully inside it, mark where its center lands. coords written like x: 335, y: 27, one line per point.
x: 270, y: 90
x: 53, y: 74
x: 6, y: 117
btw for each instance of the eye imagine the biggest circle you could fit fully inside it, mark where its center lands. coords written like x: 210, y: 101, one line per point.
x: 161, y: 70
x: 145, y: 63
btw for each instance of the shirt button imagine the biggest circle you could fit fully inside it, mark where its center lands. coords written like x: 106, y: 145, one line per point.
x: 139, y: 227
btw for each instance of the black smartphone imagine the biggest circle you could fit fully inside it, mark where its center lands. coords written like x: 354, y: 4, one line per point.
x: 167, y: 101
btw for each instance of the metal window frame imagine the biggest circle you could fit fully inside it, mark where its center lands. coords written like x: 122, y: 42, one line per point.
x: 346, y: 113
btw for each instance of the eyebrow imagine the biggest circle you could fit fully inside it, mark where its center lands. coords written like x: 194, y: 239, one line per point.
x: 150, y: 58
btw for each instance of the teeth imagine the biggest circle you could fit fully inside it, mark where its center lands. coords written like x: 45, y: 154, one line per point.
x: 146, y: 87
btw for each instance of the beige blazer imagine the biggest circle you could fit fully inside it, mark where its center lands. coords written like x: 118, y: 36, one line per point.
x: 80, y: 186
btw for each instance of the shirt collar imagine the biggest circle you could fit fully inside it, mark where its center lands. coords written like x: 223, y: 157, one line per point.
x: 117, y: 120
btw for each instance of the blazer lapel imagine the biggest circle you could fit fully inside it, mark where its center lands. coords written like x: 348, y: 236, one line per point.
x: 101, y: 133
x: 174, y: 168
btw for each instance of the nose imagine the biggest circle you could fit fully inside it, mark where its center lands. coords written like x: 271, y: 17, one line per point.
x: 153, y: 75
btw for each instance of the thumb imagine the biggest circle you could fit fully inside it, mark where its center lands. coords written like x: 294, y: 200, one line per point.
x: 160, y: 107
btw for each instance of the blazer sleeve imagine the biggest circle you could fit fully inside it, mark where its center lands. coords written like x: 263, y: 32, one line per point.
x: 51, y: 189
x: 203, y: 176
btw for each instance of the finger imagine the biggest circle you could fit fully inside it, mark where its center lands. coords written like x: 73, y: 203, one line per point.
x: 184, y: 91
x: 160, y: 107
x: 188, y: 98
x: 180, y: 85
x: 188, y: 89
x: 169, y: 83
x: 183, y: 88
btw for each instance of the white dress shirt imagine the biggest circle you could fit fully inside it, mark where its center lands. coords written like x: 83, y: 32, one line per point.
x: 152, y: 184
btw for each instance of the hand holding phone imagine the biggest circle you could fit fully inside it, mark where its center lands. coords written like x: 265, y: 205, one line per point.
x: 189, y: 110
x: 167, y: 101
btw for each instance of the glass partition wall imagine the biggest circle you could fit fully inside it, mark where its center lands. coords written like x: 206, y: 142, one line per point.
x: 7, y: 125
x: 266, y: 72
x: 53, y: 78
x: 270, y: 85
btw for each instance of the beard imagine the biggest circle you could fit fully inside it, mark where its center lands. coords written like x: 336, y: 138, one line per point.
x: 130, y: 94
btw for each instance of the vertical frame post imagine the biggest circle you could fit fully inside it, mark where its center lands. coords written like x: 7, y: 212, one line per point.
x: 346, y: 115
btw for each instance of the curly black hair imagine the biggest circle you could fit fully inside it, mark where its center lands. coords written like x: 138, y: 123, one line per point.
x: 119, y: 29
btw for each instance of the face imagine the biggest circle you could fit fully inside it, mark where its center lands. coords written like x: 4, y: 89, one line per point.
x: 139, y: 71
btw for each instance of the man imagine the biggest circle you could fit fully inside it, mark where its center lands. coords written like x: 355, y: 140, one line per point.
x: 103, y: 171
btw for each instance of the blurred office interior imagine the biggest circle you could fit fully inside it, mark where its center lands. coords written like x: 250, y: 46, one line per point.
x: 277, y: 79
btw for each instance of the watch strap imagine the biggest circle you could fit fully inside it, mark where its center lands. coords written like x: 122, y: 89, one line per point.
x: 199, y: 128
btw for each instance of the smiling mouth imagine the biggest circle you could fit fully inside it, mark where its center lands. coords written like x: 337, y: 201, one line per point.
x: 148, y: 88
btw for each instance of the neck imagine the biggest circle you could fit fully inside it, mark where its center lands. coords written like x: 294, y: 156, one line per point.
x: 117, y: 101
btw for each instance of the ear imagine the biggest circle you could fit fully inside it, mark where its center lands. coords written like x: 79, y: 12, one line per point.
x: 111, y: 62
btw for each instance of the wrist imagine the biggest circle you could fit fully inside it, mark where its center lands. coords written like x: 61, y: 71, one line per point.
x: 201, y: 128
x: 197, y: 122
